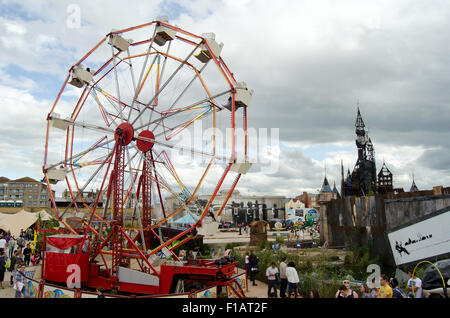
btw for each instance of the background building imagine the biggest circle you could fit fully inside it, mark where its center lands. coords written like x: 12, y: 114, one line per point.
x: 272, y: 204
x: 26, y: 193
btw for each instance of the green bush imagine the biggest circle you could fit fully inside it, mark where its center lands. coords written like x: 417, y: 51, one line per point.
x: 264, y: 245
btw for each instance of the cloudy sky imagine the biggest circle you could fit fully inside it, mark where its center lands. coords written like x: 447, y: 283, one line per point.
x: 309, y: 63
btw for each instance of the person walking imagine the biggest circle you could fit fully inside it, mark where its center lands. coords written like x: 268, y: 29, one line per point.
x: 283, y: 277
x: 3, y: 260
x: 2, y: 242
x: 27, y: 254
x: 365, y: 291
x: 272, y: 277
x: 414, y: 286
x: 292, y: 277
x: 385, y: 291
x: 12, y: 267
x: 253, y: 259
x: 397, y: 292
x: 20, y: 282
x: 20, y: 242
x: 11, y: 246
x: 247, y: 264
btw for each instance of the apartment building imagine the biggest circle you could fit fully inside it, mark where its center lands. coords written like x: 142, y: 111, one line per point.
x: 24, y: 192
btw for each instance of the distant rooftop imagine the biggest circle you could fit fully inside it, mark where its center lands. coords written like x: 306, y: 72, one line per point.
x: 24, y: 180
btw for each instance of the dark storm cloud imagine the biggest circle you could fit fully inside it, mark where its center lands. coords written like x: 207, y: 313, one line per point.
x: 436, y: 159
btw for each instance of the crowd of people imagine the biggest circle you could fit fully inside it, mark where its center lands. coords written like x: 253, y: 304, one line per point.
x: 283, y: 281
x: 15, y: 255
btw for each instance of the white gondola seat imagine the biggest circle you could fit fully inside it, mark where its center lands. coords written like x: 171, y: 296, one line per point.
x: 216, y: 48
x: 54, y: 174
x: 119, y: 42
x: 80, y: 76
x: 57, y: 122
x: 243, y: 95
x: 241, y: 166
x: 163, y: 33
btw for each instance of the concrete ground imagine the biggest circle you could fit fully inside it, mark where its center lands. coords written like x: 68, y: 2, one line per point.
x: 259, y: 291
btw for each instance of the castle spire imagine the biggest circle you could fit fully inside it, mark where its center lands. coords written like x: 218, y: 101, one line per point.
x: 359, y: 121
x: 413, y: 188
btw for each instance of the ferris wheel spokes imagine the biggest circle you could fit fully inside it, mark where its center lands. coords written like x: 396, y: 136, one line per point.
x: 165, y: 84
x: 169, y: 113
x: 161, y: 143
x: 108, y: 159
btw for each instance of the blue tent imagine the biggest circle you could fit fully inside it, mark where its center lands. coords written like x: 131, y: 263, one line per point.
x: 187, y: 219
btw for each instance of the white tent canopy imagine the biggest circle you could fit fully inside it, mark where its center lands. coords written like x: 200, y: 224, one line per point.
x: 45, y: 216
x: 21, y: 220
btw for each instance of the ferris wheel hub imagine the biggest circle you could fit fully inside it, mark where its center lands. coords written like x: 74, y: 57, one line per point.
x: 145, y: 145
x: 124, y: 134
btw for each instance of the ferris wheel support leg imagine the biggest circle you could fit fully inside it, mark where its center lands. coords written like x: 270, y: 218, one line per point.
x: 159, y: 193
x: 99, y: 249
x: 229, y: 195
x: 117, y: 186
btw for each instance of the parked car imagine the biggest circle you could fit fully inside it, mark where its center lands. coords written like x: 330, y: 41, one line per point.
x: 225, y: 225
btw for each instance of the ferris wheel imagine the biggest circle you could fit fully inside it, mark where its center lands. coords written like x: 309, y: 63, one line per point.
x: 141, y: 117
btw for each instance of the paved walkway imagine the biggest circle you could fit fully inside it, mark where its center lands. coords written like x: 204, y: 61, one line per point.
x: 259, y: 291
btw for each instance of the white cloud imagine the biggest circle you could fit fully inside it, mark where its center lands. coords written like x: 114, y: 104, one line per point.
x: 14, y: 28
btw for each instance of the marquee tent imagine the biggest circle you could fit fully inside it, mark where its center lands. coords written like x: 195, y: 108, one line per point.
x: 21, y: 220
x: 45, y: 216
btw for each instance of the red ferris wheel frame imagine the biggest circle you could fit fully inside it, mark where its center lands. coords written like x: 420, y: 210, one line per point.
x: 124, y: 134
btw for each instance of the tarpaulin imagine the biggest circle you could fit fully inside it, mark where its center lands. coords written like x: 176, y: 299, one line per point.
x: 432, y: 278
x: 64, y: 241
x: 57, y: 265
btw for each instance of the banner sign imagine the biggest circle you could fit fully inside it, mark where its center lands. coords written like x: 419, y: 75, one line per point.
x: 424, y: 239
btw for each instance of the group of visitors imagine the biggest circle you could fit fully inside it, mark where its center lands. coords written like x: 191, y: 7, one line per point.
x: 289, y: 281
x: 287, y: 274
x: 27, y: 234
x: 15, y: 256
x: 285, y: 278
x: 389, y: 288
